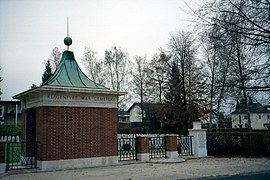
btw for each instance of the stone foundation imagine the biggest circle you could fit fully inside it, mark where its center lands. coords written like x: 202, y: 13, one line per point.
x: 77, y: 163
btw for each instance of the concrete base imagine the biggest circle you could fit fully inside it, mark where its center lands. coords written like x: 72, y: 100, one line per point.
x: 143, y: 156
x: 2, y: 169
x: 172, y: 154
x: 167, y: 160
x: 77, y: 163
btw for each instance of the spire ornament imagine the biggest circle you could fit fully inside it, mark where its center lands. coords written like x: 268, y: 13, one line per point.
x: 67, y: 40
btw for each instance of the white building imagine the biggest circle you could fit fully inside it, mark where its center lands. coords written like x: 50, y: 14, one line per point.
x: 259, y: 116
x: 10, y: 113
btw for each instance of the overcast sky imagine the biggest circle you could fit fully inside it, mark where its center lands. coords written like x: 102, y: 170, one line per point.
x: 30, y: 29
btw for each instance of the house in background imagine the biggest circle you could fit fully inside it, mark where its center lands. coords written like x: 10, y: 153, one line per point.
x: 141, y: 117
x: 146, y: 116
x: 259, y: 116
x: 10, y: 113
x: 123, y: 121
x: 224, y: 122
x: 205, y: 119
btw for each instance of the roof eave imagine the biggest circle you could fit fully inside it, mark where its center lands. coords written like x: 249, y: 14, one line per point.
x: 69, y: 89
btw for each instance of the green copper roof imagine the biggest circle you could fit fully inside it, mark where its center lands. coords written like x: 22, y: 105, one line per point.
x: 69, y: 74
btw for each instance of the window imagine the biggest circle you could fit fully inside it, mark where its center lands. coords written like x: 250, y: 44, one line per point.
x: 268, y: 116
x: 245, y: 124
x: 260, y: 117
x: 245, y: 117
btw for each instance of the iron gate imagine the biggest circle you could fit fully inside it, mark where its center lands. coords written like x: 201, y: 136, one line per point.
x: 21, y: 155
x: 184, y: 145
x: 157, y: 147
x: 127, y: 149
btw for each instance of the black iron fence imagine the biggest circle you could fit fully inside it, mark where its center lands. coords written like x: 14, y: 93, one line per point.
x: 127, y: 149
x: 184, y: 145
x: 21, y: 155
x: 157, y: 147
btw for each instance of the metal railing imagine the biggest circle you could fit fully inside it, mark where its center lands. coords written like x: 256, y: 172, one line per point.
x: 21, y: 155
x: 157, y: 147
x: 184, y: 145
x: 127, y: 149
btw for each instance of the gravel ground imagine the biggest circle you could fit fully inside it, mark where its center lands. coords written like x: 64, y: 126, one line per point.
x: 191, y: 169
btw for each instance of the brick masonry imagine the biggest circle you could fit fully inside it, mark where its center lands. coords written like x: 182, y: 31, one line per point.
x: 142, y: 144
x: 76, y: 132
x: 171, y: 143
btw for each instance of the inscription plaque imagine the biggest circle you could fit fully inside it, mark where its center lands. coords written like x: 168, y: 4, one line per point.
x: 201, y: 140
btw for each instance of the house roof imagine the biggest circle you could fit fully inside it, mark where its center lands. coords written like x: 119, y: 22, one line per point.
x: 147, y: 106
x: 151, y: 110
x: 69, y: 74
x: 253, y: 108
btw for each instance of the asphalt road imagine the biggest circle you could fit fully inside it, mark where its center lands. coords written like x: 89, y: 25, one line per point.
x: 259, y: 176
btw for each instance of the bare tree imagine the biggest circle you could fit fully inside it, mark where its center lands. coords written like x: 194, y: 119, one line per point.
x: 55, y: 58
x: 216, y: 51
x: 239, y: 41
x: 93, y: 66
x: 157, y: 75
x: 140, y: 77
x: 254, y: 15
x: 183, y: 49
x: 116, y: 64
x: 249, y: 19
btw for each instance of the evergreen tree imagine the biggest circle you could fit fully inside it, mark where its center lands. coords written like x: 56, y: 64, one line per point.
x: 47, y: 73
x: 174, y: 99
x: 173, y: 95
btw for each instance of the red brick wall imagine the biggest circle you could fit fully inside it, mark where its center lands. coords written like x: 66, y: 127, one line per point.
x: 142, y: 144
x: 75, y: 132
x: 171, y: 143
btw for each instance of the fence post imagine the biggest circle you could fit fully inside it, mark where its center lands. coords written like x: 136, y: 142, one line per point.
x: 142, y: 142
x: 199, y: 139
x: 2, y: 158
x: 171, y: 146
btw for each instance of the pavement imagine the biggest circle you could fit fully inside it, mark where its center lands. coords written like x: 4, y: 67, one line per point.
x: 190, y: 168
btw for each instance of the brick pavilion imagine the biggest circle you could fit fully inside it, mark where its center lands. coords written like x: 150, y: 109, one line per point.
x: 73, y: 118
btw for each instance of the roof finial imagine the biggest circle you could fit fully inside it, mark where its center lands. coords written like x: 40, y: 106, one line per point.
x: 67, y: 40
x: 67, y: 27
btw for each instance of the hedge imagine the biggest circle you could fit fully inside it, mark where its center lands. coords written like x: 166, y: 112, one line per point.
x: 248, y: 144
x: 10, y: 131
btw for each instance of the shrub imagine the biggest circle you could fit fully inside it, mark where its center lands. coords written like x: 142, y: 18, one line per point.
x: 251, y: 144
x: 10, y: 131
